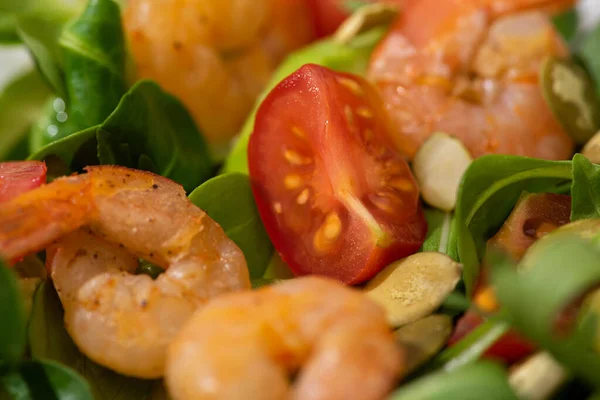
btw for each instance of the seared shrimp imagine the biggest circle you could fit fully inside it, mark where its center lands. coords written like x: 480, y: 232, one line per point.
x: 333, y: 339
x: 215, y: 55
x: 469, y: 68
x: 120, y: 320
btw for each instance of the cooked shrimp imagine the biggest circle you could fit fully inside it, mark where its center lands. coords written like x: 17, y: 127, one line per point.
x: 215, y: 55
x: 33, y: 220
x: 333, y: 339
x: 120, y: 320
x: 470, y: 68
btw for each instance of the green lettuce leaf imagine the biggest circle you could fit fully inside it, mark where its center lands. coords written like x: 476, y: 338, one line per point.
x: 585, y: 190
x: 483, y: 380
x: 152, y: 130
x: 564, y: 267
x: 488, y: 191
x: 228, y: 199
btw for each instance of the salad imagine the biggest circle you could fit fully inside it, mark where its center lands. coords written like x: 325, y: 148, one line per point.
x: 308, y: 199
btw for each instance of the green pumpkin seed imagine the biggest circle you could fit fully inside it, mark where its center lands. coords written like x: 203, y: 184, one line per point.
x: 569, y: 92
x: 423, y: 339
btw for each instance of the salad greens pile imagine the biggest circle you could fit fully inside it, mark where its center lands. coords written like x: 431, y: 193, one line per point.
x: 80, y: 107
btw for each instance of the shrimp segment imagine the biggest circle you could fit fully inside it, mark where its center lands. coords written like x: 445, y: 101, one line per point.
x: 157, y: 222
x: 33, y: 220
x: 246, y: 346
x: 120, y: 320
x: 470, y: 68
x: 224, y: 49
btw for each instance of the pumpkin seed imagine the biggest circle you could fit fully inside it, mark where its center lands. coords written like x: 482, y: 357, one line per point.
x: 439, y: 166
x: 569, y: 92
x: 414, y: 287
x: 423, y: 339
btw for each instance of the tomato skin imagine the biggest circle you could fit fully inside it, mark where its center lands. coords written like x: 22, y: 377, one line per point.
x: 328, y: 15
x: 509, y: 348
x: 17, y: 177
x: 340, y: 165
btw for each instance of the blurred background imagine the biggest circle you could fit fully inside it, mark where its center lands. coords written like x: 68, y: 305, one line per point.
x: 15, y: 59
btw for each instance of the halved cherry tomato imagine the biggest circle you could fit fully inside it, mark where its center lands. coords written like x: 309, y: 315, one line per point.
x: 509, y: 348
x: 534, y: 216
x: 335, y: 198
x: 19, y: 177
x: 329, y: 14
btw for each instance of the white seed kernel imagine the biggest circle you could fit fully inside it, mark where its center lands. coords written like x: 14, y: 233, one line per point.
x: 439, y: 166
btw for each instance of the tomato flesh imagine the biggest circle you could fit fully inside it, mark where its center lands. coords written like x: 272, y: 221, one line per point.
x: 510, y: 348
x: 534, y: 216
x: 19, y: 177
x: 334, y: 196
x: 328, y: 15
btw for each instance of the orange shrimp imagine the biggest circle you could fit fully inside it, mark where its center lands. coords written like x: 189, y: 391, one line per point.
x: 95, y: 227
x: 470, y: 68
x: 333, y: 338
x: 215, y: 55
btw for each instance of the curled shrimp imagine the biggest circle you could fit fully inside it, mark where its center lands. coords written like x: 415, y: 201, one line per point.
x: 96, y: 226
x: 470, y: 68
x: 224, y: 49
x: 247, y: 345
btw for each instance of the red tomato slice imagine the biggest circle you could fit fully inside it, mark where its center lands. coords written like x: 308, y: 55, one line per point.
x: 534, y: 216
x: 335, y: 198
x: 329, y: 14
x: 19, y: 177
x: 509, y: 348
